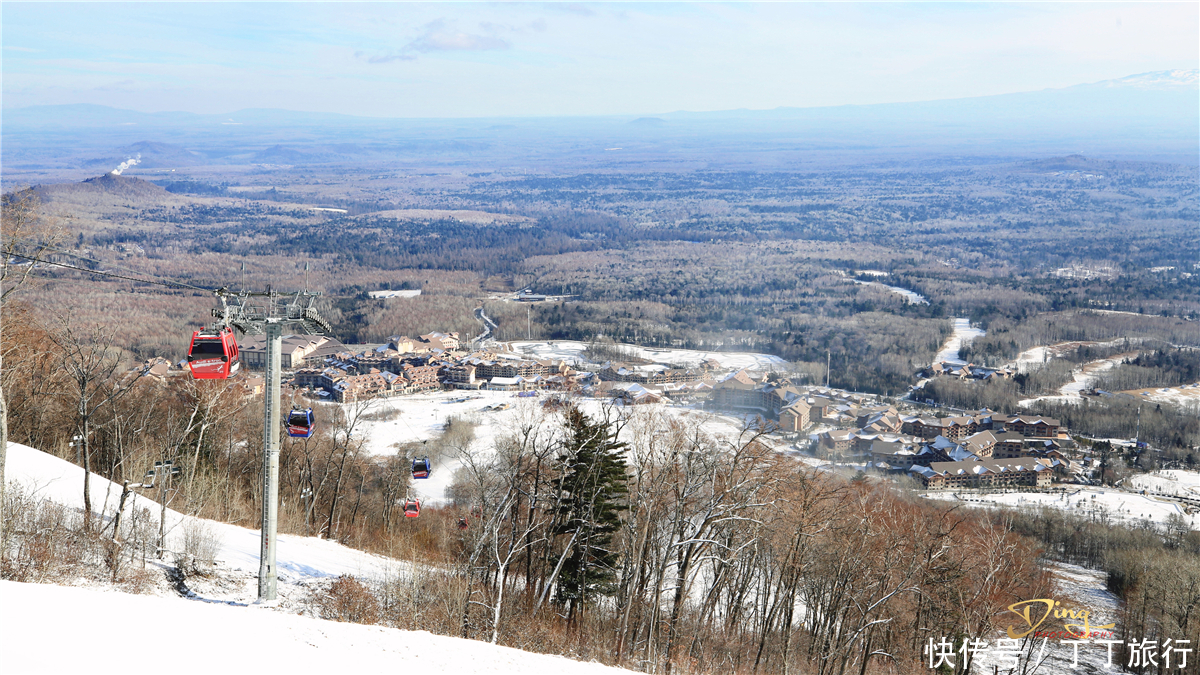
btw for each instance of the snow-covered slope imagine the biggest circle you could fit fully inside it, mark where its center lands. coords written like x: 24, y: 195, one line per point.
x: 57, y: 629
x: 299, y: 559
x: 963, y: 334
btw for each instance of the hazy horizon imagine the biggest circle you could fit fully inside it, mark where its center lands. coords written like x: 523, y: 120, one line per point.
x: 414, y: 61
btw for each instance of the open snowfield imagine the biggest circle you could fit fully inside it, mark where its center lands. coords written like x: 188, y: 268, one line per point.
x: 1184, y: 395
x: 963, y: 334
x: 1113, y: 505
x: 58, y: 629
x: 572, y: 352
x: 1085, y: 376
x: 1169, y: 482
x: 423, y: 417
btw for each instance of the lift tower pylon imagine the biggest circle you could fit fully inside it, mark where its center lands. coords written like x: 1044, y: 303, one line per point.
x: 269, y: 316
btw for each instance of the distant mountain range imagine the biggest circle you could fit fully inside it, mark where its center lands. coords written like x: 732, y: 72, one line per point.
x: 1149, y: 116
x: 1170, y: 94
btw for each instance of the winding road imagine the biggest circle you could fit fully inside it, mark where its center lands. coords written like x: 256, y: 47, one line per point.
x: 488, y: 326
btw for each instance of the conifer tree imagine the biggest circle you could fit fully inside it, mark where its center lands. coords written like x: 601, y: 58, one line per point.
x: 591, y: 498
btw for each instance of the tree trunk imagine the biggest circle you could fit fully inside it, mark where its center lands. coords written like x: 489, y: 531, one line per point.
x: 115, y: 550
x: 87, y: 479
x: 498, y: 606
x: 685, y: 564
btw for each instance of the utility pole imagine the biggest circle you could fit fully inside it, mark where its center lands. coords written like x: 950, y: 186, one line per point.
x: 528, y: 322
x: 828, y: 360
x: 1137, y: 435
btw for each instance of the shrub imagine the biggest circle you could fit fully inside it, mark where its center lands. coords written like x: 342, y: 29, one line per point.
x: 200, y: 546
x: 347, y: 600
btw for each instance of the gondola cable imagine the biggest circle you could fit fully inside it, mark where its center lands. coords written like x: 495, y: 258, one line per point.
x: 167, y: 284
x: 54, y: 249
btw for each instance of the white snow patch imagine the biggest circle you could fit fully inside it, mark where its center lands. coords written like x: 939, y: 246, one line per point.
x: 963, y: 334
x: 299, y: 559
x: 58, y: 629
x: 572, y: 352
x: 423, y: 417
x: 1169, y: 482
x: 1081, y: 378
x: 1102, y: 504
x: 910, y: 297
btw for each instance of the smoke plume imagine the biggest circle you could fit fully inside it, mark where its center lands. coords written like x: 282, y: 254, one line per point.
x: 126, y: 164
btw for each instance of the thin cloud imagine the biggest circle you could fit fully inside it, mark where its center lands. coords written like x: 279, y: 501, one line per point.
x: 440, y: 36
x: 572, y: 7
x: 126, y: 85
x: 14, y: 48
x: 390, y: 57
x: 457, y: 41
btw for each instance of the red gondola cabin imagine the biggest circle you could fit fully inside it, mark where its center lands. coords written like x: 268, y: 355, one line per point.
x: 412, y: 508
x: 214, y: 354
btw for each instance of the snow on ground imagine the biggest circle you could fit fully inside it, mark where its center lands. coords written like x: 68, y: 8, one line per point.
x: 572, y: 352
x: 910, y: 297
x: 1039, y: 355
x: 1100, y: 503
x: 55, y: 629
x: 963, y: 334
x: 236, y: 635
x: 1077, y: 588
x: 1168, y: 481
x: 422, y: 417
x: 299, y: 559
x: 1082, y: 378
x: 1184, y: 395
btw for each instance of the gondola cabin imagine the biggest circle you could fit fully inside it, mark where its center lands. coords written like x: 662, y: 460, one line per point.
x: 421, y: 468
x: 412, y: 508
x: 213, y: 354
x: 300, y: 423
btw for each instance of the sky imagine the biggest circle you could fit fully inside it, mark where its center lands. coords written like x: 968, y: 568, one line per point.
x: 528, y: 59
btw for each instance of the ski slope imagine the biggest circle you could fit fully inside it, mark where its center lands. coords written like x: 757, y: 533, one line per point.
x: 57, y: 629
x: 236, y: 634
x: 300, y: 559
x: 963, y: 334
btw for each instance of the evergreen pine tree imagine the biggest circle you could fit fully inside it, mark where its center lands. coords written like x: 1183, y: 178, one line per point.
x: 591, y: 494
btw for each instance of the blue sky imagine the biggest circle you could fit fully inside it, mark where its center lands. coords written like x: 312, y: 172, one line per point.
x: 506, y: 59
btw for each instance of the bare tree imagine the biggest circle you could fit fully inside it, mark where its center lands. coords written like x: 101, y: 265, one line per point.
x: 90, y: 361
x: 27, y: 233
